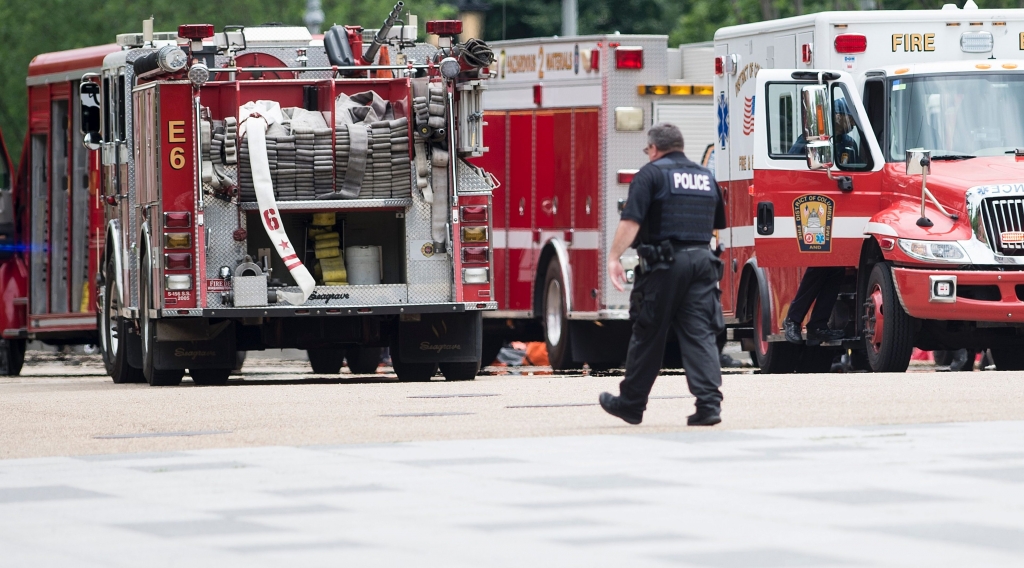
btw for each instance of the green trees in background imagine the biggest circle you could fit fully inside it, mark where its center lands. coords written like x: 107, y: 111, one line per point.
x: 31, y: 27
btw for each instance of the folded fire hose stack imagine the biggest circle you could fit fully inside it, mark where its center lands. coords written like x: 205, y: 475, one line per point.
x: 431, y: 156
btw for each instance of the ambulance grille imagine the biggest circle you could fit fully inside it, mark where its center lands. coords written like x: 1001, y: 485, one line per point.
x: 1004, y: 224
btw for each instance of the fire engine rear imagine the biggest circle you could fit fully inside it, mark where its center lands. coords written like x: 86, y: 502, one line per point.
x: 267, y: 189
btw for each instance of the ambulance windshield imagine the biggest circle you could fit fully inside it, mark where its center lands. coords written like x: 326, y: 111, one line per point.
x: 956, y: 116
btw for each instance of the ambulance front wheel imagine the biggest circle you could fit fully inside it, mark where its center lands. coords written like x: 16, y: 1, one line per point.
x: 888, y: 329
x: 771, y: 356
x: 556, y: 319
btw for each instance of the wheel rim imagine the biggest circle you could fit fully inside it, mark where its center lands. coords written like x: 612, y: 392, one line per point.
x: 762, y: 343
x: 110, y: 324
x: 875, y: 317
x: 553, y: 312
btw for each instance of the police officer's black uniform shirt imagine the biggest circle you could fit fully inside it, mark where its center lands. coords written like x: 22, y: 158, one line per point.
x: 650, y: 191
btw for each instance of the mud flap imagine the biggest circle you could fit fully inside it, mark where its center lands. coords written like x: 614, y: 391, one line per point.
x: 428, y: 338
x: 194, y: 344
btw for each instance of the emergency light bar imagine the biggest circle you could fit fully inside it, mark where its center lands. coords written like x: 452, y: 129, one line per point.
x: 629, y: 58
x: 851, y: 43
x: 195, y: 31
x: 676, y: 90
x: 976, y: 42
x: 444, y: 27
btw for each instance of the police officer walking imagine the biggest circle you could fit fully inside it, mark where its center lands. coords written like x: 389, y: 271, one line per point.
x: 672, y: 208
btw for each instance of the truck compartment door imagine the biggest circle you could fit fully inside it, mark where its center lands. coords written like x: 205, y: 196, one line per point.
x: 7, y: 224
x: 807, y: 217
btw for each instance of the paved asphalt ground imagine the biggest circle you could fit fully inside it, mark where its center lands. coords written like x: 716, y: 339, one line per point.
x: 282, y: 467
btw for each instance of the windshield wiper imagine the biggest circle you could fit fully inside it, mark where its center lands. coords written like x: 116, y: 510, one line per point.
x: 953, y: 156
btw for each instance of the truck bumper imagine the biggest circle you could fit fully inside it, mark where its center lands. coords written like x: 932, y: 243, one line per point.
x: 954, y: 294
x: 284, y: 310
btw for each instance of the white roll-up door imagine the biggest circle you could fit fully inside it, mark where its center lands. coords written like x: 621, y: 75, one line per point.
x: 696, y: 118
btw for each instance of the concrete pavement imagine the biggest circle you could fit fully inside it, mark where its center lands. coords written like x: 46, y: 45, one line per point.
x: 928, y: 495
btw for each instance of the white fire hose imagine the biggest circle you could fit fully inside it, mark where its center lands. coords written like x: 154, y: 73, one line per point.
x: 254, y: 119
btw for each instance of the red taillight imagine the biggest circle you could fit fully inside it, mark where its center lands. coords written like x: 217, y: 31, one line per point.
x: 474, y: 214
x: 444, y: 27
x: 626, y: 176
x: 719, y: 66
x: 595, y: 59
x: 537, y: 95
x: 474, y: 255
x: 178, y: 261
x: 629, y: 58
x: 177, y: 220
x: 851, y: 43
x: 195, y: 31
x: 805, y: 53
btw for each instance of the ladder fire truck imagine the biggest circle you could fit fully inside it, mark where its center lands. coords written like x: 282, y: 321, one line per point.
x: 262, y: 188
x: 888, y: 143
x: 566, y: 119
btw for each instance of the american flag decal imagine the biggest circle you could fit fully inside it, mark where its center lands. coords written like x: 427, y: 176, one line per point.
x: 748, y: 116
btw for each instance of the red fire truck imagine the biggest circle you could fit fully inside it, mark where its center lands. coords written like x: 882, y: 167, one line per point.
x: 914, y: 188
x: 566, y: 119
x: 51, y: 219
x: 262, y: 188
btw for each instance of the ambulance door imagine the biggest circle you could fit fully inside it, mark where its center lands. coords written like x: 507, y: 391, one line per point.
x: 811, y: 217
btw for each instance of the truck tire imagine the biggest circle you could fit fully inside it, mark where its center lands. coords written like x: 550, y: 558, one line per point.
x: 210, y: 377
x: 772, y: 356
x: 147, y: 328
x: 113, y: 330
x: 326, y: 361
x: 12, y: 356
x: 462, y: 371
x: 556, y: 319
x: 409, y: 372
x: 1008, y: 358
x: 888, y: 330
x: 362, y: 360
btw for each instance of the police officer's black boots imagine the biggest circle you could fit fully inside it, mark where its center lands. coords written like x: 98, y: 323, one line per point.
x: 792, y: 331
x: 615, y: 406
x: 704, y: 417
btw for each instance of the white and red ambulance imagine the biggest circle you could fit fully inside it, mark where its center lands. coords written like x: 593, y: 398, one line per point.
x: 945, y: 86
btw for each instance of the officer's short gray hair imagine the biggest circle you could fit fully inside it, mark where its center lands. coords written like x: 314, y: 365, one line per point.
x: 665, y: 137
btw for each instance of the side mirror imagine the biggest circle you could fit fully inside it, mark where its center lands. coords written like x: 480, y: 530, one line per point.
x: 92, y: 141
x: 817, y: 118
x: 919, y: 162
x: 90, y: 110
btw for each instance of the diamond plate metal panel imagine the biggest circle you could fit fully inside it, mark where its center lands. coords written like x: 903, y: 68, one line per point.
x: 130, y: 226
x: 221, y: 219
x: 429, y: 280
x: 621, y: 150
x: 472, y: 179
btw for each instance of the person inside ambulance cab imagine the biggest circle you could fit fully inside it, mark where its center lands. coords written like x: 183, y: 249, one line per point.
x: 844, y: 145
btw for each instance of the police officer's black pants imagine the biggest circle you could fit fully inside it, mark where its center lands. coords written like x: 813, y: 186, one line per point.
x: 681, y: 297
x: 820, y: 285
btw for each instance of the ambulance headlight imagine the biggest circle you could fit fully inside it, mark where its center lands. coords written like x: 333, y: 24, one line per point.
x: 976, y: 42
x: 198, y: 74
x: 934, y: 251
x: 171, y: 58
